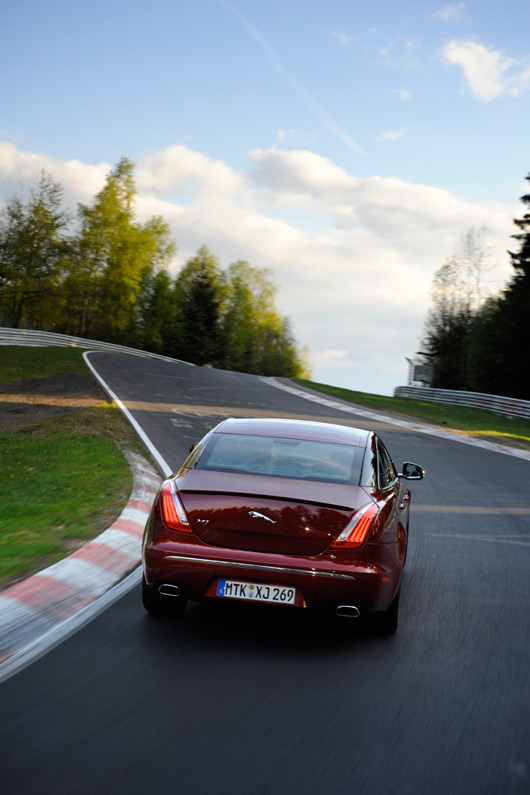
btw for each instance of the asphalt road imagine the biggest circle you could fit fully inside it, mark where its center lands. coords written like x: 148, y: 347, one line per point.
x: 240, y: 699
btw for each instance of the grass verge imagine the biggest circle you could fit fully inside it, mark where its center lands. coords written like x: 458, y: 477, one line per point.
x: 64, y: 480
x: 469, y: 421
x: 18, y: 362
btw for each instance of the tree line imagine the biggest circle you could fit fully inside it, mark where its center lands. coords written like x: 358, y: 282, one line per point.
x: 474, y: 341
x: 100, y: 274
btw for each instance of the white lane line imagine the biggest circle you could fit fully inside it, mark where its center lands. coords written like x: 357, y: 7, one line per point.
x: 162, y: 463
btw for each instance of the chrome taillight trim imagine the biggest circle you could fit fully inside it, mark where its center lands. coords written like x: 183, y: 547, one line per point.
x: 356, y: 518
x: 181, y: 513
x: 260, y: 566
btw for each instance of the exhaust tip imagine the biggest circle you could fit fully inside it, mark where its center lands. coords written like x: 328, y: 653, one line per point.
x: 168, y: 589
x: 348, y: 611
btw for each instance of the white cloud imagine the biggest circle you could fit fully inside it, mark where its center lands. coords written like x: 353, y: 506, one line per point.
x: 403, y: 94
x: 20, y: 170
x: 181, y: 171
x: 286, y: 137
x: 391, y: 135
x: 343, y: 39
x: 354, y: 258
x: 401, y: 53
x: 451, y: 12
x: 385, y: 51
x: 488, y: 72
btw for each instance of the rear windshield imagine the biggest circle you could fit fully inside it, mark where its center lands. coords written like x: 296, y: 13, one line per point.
x: 282, y: 458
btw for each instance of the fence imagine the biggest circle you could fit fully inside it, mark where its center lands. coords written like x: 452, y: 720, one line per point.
x: 510, y: 407
x: 15, y: 336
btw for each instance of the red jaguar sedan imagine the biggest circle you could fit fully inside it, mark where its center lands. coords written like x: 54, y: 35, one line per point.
x: 282, y: 512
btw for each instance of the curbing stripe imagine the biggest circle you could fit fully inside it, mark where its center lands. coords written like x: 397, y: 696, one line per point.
x: 54, y: 599
x: 117, y: 562
x: 93, y: 580
x: 116, y: 540
x: 135, y: 529
x: 135, y: 515
x: 139, y: 505
x: 38, y: 605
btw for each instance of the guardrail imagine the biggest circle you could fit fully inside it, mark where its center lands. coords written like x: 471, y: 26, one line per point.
x: 509, y: 407
x: 15, y: 336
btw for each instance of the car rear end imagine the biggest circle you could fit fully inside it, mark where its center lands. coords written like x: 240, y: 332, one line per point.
x: 277, y: 522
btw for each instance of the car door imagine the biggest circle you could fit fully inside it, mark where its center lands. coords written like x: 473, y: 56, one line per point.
x: 395, y: 501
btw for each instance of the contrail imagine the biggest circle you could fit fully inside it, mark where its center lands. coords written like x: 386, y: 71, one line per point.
x: 273, y: 59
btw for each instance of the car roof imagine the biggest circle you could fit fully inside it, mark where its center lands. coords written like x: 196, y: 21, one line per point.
x: 296, y: 429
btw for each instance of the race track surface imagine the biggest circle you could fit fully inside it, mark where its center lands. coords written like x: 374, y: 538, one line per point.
x: 243, y: 699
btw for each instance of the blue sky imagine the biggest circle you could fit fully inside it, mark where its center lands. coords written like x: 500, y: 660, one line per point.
x: 346, y: 146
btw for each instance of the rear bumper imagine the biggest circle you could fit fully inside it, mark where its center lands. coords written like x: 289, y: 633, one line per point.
x: 322, y: 581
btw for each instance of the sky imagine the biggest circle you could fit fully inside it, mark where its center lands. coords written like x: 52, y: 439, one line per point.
x: 346, y: 146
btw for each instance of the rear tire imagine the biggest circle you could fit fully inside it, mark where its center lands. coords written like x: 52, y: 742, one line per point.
x: 386, y: 623
x: 159, y: 605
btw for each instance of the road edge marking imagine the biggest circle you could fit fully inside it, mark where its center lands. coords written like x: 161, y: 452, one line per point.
x: 161, y: 461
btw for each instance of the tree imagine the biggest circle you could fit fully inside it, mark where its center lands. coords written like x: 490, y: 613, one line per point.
x: 488, y: 341
x: 110, y: 281
x: 521, y: 259
x: 458, y: 293
x: 156, y: 306
x: 114, y: 256
x: 197, y: 297
x: 245, y: 289
x: 33, y: 247
x: 279, y: 353
x: 257, y: 339
x: 499, y: 342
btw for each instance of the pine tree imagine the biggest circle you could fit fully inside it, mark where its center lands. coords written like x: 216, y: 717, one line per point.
x: 197, y: 299
x: 499, y: 346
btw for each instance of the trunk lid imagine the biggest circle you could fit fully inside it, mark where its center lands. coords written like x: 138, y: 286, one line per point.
x: 267, y: 514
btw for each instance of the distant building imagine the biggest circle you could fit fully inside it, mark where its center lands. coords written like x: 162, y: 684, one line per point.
x: 420, y: 371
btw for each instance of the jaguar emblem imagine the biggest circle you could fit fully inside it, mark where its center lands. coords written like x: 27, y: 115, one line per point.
x: 256, y: 515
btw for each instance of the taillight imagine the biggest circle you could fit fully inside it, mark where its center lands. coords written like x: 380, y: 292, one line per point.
x: 173, y: 511
x: 356, y: 531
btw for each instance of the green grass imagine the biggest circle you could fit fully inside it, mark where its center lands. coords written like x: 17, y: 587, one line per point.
x: 64, y: 480
x: 472, y: 422
x: 18, y: 362
x: 58, y: 487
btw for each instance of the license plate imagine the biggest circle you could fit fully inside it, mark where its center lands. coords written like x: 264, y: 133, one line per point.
x: 256, y: 592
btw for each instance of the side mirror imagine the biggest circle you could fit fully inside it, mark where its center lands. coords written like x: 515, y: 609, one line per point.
x: 412, y: 472
x: 193, y: 446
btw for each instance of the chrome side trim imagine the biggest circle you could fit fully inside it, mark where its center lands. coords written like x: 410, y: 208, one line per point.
x: 260, y: 566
